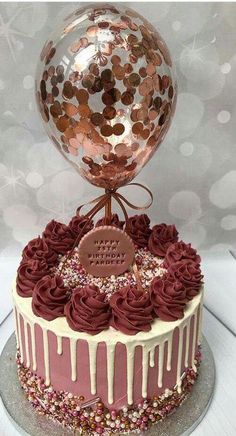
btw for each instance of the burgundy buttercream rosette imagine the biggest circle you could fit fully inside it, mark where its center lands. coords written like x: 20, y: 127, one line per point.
x: 88, y: 311
x: 168, y: 297
x: 28, y: 274
x: 59, y: 237
x: 131, y: 310
x: 38, y: 249
x: 114, y: 221
x: 161, y: 238
x: 180, y: 251
x: 138, y: 228
x: 79, y: 223
x: 189, y: 274
x: 49, y: 297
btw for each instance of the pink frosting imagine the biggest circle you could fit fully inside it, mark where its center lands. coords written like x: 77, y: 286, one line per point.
x: 138, y: 228
x: 49, y: 297
x: 180, y: 251
x: 113, y: 222
x: 131, y: 310
x: 38, y: 249
x: 189, y: 274
x: 28, y: 274
x: 87, y: 311
x: 77, y: 223
x: 161, y: 238
x: 59, y: 237
x: 168, y: 297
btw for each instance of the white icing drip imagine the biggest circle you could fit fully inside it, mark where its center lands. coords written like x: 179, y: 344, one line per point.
x: 59, y: 345
x: 169, y: 351
x: 110, y: 372
x: 93, y: 364
x: 32, y: 332
x: 26, y: 344
x: 20, y: 338
x: 152, y: 357
x: 145, y: 357
x: 194, y: 340
x: 186, y: 360
x: 160, y: 364
x: 16, y: 328
x: 179, y: 362
x: 73, y: 358
x: 46, y: 357
x: 130, y: 371
x: 199, y: 334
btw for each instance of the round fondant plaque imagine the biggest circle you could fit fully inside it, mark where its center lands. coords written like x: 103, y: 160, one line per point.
x: 106, y: 251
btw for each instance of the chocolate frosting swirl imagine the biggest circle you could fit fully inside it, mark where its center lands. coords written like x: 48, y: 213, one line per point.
x: 28, y: 274
x: 189, y: 274
x: 38, y: 249
x: 59, y: 237
x: 180, y: 251
x: 77, y: 223
x: 161, y: 238
x: 113, y: 222
x: 49, y: 297
x: 138, y: 228
x: 168, y: 297
x: 131, y: 310
x: 87, y: 311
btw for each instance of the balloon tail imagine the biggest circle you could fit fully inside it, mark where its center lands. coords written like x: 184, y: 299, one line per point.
x: 108, y: 210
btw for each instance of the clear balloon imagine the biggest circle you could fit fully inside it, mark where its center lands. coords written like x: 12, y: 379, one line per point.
x: 106, y: 92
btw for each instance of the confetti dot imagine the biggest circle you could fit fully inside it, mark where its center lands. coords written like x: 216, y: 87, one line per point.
x: 19, y: 45
x: 28, y: 82
x: 186, y: 149
x: 8, y: 114
x: 223, y: 117
x: 221, y: 248
x: 225, y: 68
x: 188, y: 114
x: 2, y: 85
x: 185, y: 205
x: 223, y: 192
x: 34, y: 179
x: 19, y: 216
x: 176, y: 25
x: 194, y: 232
x: 228, y: 222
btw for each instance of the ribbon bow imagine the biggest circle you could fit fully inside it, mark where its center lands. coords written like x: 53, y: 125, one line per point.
x: 104, y: 201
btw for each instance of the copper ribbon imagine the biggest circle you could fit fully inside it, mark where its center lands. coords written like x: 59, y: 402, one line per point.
x: 104, y: 200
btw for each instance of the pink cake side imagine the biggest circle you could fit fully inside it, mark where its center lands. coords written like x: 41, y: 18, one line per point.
x: 56, y: 369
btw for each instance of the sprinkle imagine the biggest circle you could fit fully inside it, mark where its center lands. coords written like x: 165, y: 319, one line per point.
x: 92, y: 417
x: 74, y: 275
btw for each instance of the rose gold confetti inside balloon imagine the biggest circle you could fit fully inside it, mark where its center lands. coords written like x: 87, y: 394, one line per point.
x: 106, y: 92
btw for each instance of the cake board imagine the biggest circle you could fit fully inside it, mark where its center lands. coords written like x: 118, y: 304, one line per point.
x: 182, y: 422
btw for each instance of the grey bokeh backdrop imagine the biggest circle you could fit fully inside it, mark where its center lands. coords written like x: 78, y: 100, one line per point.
x: 192, y: 175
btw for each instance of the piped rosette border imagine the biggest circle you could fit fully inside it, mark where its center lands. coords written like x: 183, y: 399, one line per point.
x: 129, y: 309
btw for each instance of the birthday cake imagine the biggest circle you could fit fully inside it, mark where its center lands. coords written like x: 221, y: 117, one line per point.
x: 108, y: 312
x: 98, y: 354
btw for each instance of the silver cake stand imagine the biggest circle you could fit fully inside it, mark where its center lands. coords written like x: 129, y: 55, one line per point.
x: 28, y: 422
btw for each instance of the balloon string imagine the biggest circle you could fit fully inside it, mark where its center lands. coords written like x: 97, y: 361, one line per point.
x: 101, y: 202
x: 120, y: 199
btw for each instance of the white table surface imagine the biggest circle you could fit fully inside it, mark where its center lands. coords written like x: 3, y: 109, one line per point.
x: 219, y: 327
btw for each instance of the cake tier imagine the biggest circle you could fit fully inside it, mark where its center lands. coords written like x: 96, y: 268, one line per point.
x: 119, y: 369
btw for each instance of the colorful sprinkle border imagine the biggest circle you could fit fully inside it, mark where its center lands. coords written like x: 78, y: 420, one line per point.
x: 93, y: 418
